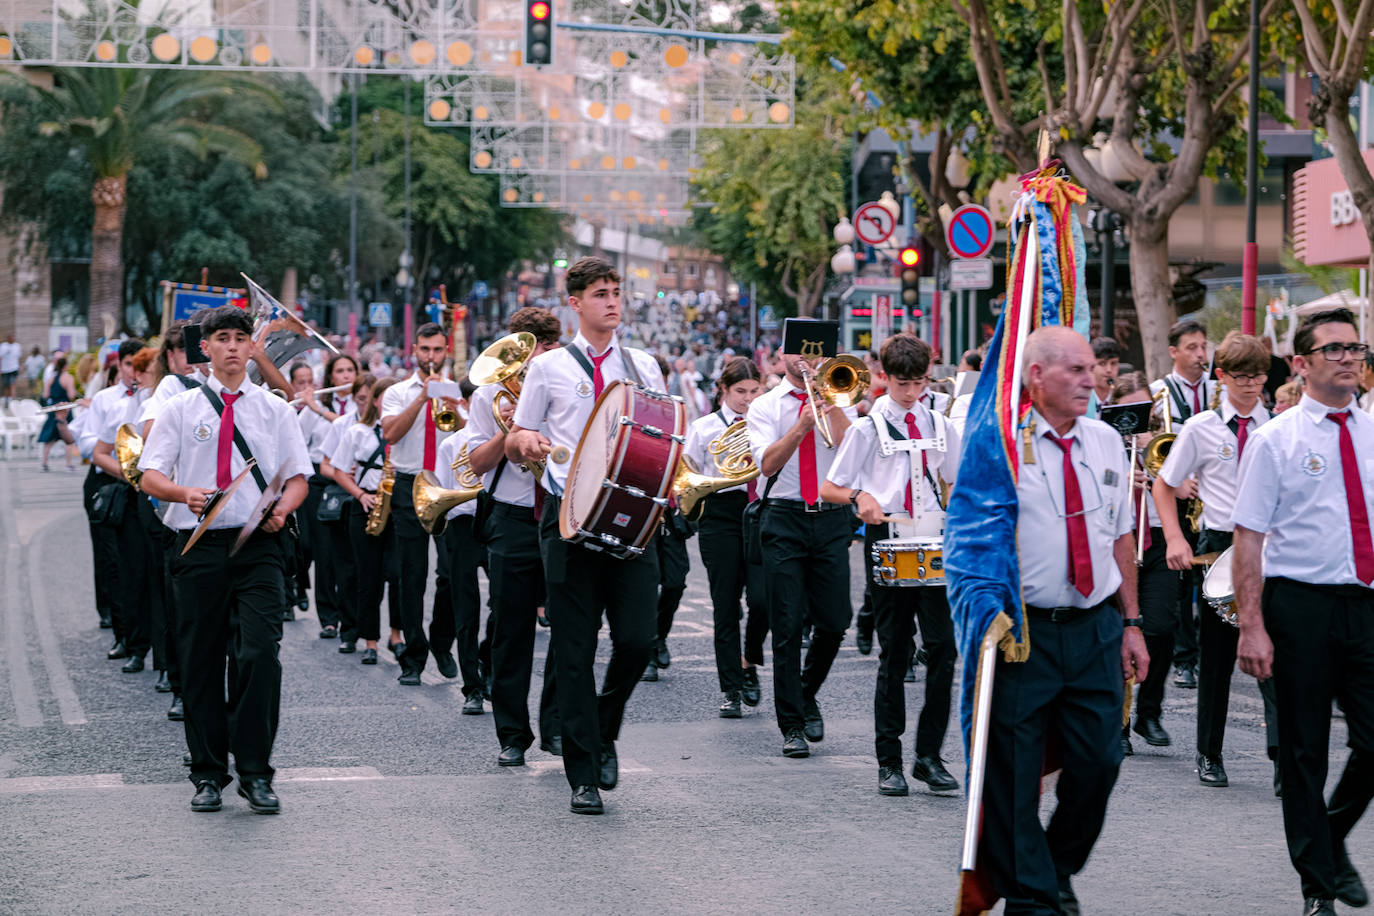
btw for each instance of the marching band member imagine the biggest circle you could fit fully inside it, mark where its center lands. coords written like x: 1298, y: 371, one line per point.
x: 1187, y: 391
x: 1107, y: 353
x: 1209, y: 450
x: 315, y: 427
x: 880, y: 485
x: 559, y: 393
x: 673, y: 562
x: 721, y: 543
x: 1302, y: 529
x: 200, y: 439
x: 805, y: 541
x: 1074, y: 527
x: 408, y: 424
x: 515, y: 572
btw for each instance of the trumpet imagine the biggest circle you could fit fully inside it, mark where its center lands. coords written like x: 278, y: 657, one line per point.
x: 842, y: 381
x: 128, y: 449
x: 446, y: 419
x: 730, y: 451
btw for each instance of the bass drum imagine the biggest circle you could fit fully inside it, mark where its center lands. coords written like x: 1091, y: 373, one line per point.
x: 622, y: 473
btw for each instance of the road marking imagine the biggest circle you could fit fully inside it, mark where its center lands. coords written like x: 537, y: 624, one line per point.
x: 21, y: 784
x: 543, y: 767
x: 16, y: 646
x: 68, y: 704
x: 325, y: 774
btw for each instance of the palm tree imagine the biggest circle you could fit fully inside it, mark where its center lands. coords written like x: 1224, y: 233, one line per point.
x: 111, y: 115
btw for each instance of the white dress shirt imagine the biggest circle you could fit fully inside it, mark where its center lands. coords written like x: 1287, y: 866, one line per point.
x: 1207, y: 449
x: 408, y: 454
x: 1292, y: 489
x: 934, y: 401
x: 516, y: 485
x: 127, y: 410
x: 557, y: 395
x: 184, y: 445
x: 448, y: 453
x: 168, y: 388
x: 337, y: 427
x: 860, y: 465
x: 1206, y: 388
x: 314, y: 429
x: 699, y: 436
x: 113, y: 405
x: 770, y: 416
x: 1042, y: 535
x: 355, y: 444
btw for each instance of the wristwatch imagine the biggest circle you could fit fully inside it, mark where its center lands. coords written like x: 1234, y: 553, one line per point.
x: 1131, y: 622
x: 854, y: 497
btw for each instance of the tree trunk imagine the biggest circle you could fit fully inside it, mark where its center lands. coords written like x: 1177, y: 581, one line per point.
x: 107, y: 258
x: 1152, y: 289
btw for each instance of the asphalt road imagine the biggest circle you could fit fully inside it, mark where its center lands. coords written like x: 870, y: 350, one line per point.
x: 393, y: 802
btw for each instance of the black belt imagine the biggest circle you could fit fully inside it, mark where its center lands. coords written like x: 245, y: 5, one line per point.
x: 511, y: 510
x: 1063, y: 614
x: 799, y: 505
x: 216, y: 535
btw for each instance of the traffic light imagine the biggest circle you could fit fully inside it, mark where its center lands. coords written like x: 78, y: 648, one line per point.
x: 539, y: 32
x: 909, y: 271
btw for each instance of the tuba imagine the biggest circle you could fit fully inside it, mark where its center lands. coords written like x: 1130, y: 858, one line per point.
x: 128, y: 449
x: 381, y: 509
x: 433, y: 501
x: 841, y: 380
x: 733, y: 460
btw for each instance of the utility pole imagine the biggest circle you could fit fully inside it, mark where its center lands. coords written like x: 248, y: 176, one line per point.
x: 353, y: 207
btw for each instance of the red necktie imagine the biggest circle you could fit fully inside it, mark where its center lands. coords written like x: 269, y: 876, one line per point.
x: 913, y: 433
x: 806, y: 458
x: 226, y: 442
x: 1080, y: 556
x: 429, y: 436
x: 1243, y: 433
x: 753, y: 490
x: 1354, y: 500
x: 1197, y: 399
x: 128, y: 392
x: 598, y: 382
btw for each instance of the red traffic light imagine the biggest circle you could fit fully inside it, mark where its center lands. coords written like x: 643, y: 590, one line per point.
x: 910, y: 256
x: 539, y: 10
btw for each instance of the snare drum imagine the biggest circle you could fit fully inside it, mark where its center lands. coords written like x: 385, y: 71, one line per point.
x: 1218, y: 590
x: 906, y: 562
x: 622, y: 472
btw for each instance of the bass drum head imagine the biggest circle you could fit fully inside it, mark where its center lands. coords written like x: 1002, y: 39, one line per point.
x: 591, y: 461
x: 1216, y: 585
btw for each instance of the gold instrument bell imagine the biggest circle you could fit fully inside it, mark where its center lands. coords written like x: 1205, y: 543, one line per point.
x: 841, y: 380
x: 128, y: 449
x: 433, y: 501
x: 446, y: 419
x: 503, y: 363
x: 733, y: 460
x: 1158, y: 448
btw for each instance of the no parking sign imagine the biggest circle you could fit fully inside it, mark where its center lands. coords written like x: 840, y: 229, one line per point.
x: 971, y: 232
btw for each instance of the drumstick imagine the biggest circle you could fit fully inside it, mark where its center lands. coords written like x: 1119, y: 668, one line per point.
x: 559, y: 454
x: 1206, y: 559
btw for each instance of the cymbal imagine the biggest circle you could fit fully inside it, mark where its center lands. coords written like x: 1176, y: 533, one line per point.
x: 215, y: 504
x: 266, y: 503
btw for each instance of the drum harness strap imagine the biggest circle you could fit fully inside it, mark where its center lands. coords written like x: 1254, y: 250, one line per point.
x: 371, y: 463
x: 1185, y: 410
x: 890, y: 440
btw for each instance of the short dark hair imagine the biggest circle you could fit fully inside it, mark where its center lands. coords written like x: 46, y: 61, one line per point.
x: 129, y: 347
x: 1106, y: 348
x: 587, y: 271
x: 225, y: 318
x: 738, y: 369
x: 542, y: 323
x: 905, y: 356
x: 974, y: 359
x: 296, y: 367
x: 1185, y: 327
x: 466, y: 386
x: 430, y: 329
x: 1307, y: 329
x: 1242, y: 353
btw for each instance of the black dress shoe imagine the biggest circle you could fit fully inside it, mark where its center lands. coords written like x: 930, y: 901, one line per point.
x: 811, y: 719
x: 1350, y: 889
x: 1210, y: 772
x: 865, y: 643
x: 661, y: 657
x: 396, y: 648
x: 446, y: 665
x: 1153, y: 733
x: 287, y: 616
x: 369, y: 657
x: 586, y: 800
x: 261, y: 798
x: 207, y: 797
x: 117, y: 650
x: 794, y: 744
x: 329, y: 632
x: 409, y: 678
x: 105, y: 622
x: 133, y: 665
x: 751, y: 694
x: 552, y: 745
x: 348, y: 648
x: 1068, y: 900
x: 177, y: 711
x: 1126, y: 749
x: 891, y: 781
x: 1185, y: 676
x: 1318, y: 906
x: 472, y: 706
x: 650, y: 671
x: 164, y: 683
x: 730, y: 708
x: 511, y: 756
x: 303, y: 601
x: 932, y: 772
x: 610, y: 768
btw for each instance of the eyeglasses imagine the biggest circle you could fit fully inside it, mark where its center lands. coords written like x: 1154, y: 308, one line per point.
x: 1250, y: 379
x: 1334, y: 351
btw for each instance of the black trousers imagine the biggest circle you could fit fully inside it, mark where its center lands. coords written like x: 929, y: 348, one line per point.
x: 171, y: 651
x: 339, y: 543
x: 1157, y: 590
x: 673, y: 566
x: 133, y: 597
x: 465, y: 555
x: 156, y: 536
x: 412, y: 546
x: 1323, y: 651
x: 806, y: 555
x: 516, y: 576
x: 104, y: 554
x: 582, y: 585
x: 230, y: 609
x: 721, y: 542
x: 1069, y: 691
x: 317, y: 543
x: 897, y: 612
x: 371, y: 555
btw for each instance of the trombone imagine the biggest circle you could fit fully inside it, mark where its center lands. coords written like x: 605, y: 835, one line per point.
x: 841, y: 380
x: 1156, y: 452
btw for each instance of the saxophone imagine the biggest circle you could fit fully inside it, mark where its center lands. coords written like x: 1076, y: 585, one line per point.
x: 381, y: 509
